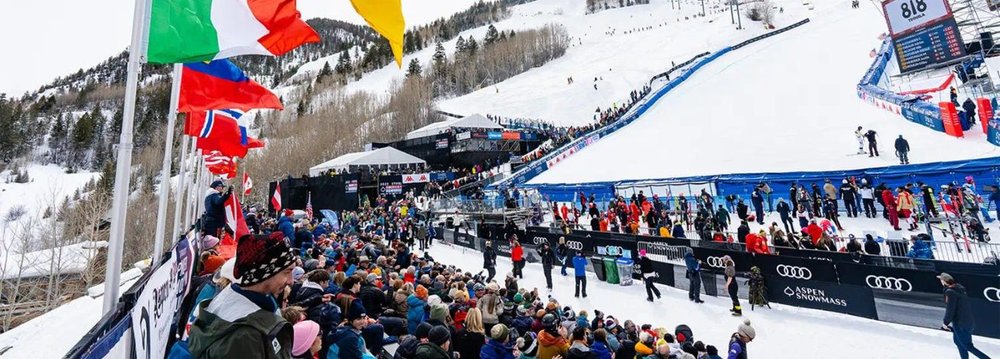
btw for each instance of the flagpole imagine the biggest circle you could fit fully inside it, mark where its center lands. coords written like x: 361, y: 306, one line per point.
x: 199, y: 187
x: 192, y: 193
x: 123, y: 170
x: 168, y: 154
x: 182, y: 185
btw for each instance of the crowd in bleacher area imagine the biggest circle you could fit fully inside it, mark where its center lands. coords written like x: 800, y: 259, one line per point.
x: 817, y: 211
x: 309, y: 289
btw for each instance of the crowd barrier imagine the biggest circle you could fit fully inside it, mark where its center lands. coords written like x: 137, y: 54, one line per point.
x: 144, y: 321
x: 697, y: 62
x: 896, y: 290
x: 911, y: 107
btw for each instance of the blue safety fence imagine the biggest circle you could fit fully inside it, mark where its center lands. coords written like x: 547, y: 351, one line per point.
x: 911, y: 107
x: 541, y: 165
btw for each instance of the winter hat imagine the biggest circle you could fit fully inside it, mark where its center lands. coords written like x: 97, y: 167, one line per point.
x: 297, y: 273
x: 356, y: 311
x: 527, y: 344
x: 499, y: 333
x: 642, y: 252
x: 522, y: 311
x: 439, y: 312
x: 310, y: 265
x: 423, y: 330
x: 259, y: 258
x: 209, y: 242
x: 439, y: 335
x: 518, y: 298
x: 420, y: 292
x: 433, y: 300
x: 372, y: 277
x: 216, y: 183
x: 610, y: 324
x: 549, y: 320
x: 493, y: 287
x: 712, y: 350
x: 305, y: 333
x: 746, y: 330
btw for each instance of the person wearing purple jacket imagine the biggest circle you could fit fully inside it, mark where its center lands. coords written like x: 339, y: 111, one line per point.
x: 743, y: 336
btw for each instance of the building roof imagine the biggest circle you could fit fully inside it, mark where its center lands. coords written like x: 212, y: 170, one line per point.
x: 387, y: 156
x: 471, y: 121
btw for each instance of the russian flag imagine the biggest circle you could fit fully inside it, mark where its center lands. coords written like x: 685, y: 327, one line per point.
x: 220, y: 85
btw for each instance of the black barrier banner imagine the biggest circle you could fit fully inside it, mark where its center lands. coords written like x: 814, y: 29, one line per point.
x: 847, y: 299
x: 796, y: 268
x: 465, y: 240
x: 980, y: 287
x: 890, y: 279
x: 814, y: 254
x: 985, y: 310
x: 712, y: 259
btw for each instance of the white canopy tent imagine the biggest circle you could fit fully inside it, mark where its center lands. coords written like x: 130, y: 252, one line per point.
x: 382, y: 158
x: 472, y: 121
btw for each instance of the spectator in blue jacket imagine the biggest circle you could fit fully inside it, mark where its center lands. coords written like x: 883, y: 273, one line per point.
x: 496, y: 347
x: 678, y: 231
x: 346, y: 342
x: 694, y: 274
x: 580, y: 272
x: 920, y: 249
x: 214, y: 220
x: 286, y: 224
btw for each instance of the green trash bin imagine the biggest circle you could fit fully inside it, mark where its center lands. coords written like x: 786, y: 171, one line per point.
x: 598, y: 265
x: 611, y: 270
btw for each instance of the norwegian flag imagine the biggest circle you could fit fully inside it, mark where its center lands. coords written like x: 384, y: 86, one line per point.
x: 309, y: 206
x: 247, y: 184
x: 212, y: 116
x: 276, y: 198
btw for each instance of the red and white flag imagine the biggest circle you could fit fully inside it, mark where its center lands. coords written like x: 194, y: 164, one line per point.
x: 276, y: 198
x: 247, y: 184
x: 234, y: 218
x: 309, y: 206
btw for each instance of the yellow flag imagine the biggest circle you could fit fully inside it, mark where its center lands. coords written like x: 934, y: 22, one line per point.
x: 386, y: 17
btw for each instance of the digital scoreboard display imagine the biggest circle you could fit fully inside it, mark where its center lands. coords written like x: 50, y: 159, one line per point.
x: 924, y: 33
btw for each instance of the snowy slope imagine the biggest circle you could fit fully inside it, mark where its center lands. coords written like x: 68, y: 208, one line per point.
x: 787, y: 103
x: 782, y: 332
x: 49, y: 185
x: 615, y: 47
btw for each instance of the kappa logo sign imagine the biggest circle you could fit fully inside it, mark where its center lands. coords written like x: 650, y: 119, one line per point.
x: 992, y: 294
x: 794, y: 272
x: 813, y: 295
x: 715, y: 262
x: 890, y: 283
x: 574, y: 245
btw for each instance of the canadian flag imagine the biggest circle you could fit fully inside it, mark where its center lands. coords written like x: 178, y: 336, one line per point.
x: 247, y: 184
x: 234, y: 217
x: 276, y: 198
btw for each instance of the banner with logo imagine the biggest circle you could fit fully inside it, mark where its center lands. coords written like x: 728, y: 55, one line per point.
x: 712, y: 259
x: 441, y: 144
x: 463, y: 136
x: 351, y: 186
x: 154, y: 311
x: 390, y: 185
x: 847, y: 299
x: 797, y: 268
x: 416, y: 178
x: 889, y: 279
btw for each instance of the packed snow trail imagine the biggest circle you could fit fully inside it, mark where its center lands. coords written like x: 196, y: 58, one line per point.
x: 782, y: 332
x: 787, y: 103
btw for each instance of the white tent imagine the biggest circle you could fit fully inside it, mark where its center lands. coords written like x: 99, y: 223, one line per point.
x: 471, y: 121
x: 386, y: 157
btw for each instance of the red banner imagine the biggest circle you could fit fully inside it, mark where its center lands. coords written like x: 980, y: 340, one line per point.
x: 985, y: 113
x: 949, y: 117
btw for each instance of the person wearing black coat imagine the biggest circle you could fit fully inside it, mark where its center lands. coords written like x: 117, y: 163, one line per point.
x: 548, y: 260
x: 694, y: 275
x: 490, y: 261
x: 902, y: 149
x: 214, y: 220
x: 786, y: 215
x: 646, y: 267
x: 958, y: 317
x: 372, y: 297
x: 848, y: 194
x: 970, y: 110
x: 871, y: 246
x: 817, y: 200
x: 757, y: 199
x: 742, y: 232
x: 741, y: 210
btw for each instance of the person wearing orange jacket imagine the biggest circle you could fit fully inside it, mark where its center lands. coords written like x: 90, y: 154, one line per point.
x: 757, y: 243
x: 906, y: 206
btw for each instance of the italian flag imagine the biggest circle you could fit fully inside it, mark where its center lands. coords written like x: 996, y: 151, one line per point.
x: 205, y: 30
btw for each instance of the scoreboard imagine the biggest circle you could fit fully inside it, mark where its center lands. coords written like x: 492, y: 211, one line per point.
x: 924, y: 33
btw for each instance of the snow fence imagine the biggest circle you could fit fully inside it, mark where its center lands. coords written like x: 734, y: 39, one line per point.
x: 686, y: 69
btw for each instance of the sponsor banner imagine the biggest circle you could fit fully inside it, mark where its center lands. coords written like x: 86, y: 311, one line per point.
x: 797, y: 268
x: 511, y: 135
x: 986, y: 309
x: 465, y: 240
x: 441, y: 176
x: 416, y: 178
x: 493, y: 135
x: 463, y: 136
x: 815, y: 255
x: 154, y: 310
x: 113, y: 344
x: 712, y: 259
x: 351, y: 186
x: 980, y: 287
x: 390, y: 185
x: 847, y: 299
x: 441, y: 144
x: 889, y: 279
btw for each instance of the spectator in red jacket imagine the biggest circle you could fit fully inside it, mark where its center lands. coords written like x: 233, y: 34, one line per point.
x: 814, y: 231
x: 757, y: 243
x: 517, y: 256
x: 890, y: 206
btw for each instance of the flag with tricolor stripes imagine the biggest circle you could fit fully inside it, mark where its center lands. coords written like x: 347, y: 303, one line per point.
x: 247, y: 184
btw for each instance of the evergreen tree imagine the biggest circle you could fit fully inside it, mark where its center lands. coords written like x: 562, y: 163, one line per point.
x: 460, y: 45
x: 414, y: 69
x: 100, y: 146
x: 107, y: 181
x: 58, y: 138
x: 82, y: 139
x: 343, y: 63
x: 471, y: 46
x: 492, y: 35
x: 325, y: 72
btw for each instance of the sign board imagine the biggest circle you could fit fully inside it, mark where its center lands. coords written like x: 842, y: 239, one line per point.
x: 924, y: 33
x: 154, y: 311
x: 907, y: 15
x: 390, y: 187
x: 847, y: 299
x: 463, y: 136
x: 352, y: 186
x: 441, y: 144
x: 416, y: 178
